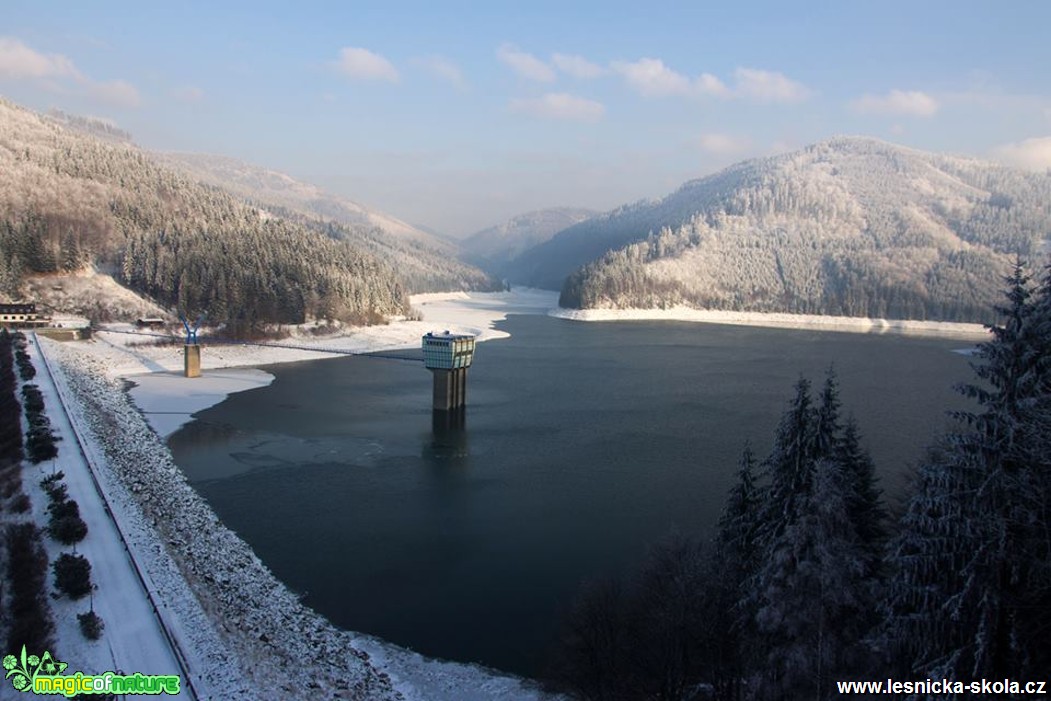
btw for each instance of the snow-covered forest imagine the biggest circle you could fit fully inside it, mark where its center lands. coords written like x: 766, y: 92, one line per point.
x: 809, y: 580
x: 850, y: 226
x: 423, y: 262
x: 69, y: 200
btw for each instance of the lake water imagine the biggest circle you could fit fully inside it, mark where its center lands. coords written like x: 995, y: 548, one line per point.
x: 583, y: 444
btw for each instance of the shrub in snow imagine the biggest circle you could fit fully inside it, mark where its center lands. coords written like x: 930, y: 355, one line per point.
x: 51, y: 480
x: 21, y: 504
x: 68, y: 530
x: 65, y: 525
x: 56, y: 491
x: 73, y: 575
x: 90, y: 625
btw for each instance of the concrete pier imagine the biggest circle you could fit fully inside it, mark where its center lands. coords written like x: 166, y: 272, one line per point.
x: 192, y: 360
x: 450, y: 389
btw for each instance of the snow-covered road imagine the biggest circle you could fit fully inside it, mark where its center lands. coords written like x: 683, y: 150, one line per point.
x: 136, y: 637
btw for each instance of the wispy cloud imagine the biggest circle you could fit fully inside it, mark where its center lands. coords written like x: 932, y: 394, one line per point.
x: 443, y: 69
x: 560, y: 106
x: 58, y: 73
x: 650, y: 77
x: 120, y: 93
x: 723, y: 144
x: 577, y: 66
x: 19, y: 62
x: 1032, y: 154
x: 525, y: 64
x: 767, y: 86
x: 897, y: 102
x: 361, y: 64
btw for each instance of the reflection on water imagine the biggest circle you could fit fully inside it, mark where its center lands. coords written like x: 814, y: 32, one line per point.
x: 448, y: 439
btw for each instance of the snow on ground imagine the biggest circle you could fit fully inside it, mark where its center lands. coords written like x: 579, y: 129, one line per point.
x: 419, y: 677
x: 793, y: 321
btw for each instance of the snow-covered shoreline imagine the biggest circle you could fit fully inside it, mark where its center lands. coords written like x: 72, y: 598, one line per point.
x: 168, y: 400
x: 846, y: 324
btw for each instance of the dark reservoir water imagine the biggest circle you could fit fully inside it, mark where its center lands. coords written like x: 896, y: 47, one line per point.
x: 583, y: 444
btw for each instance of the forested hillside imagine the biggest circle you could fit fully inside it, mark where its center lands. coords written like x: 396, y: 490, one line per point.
x: 850, y: 226
x: 68, y: 200
x: 425, y: 262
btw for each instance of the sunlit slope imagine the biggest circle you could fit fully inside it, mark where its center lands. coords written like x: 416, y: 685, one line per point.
x: 69, y: 200
x: 850, y: 226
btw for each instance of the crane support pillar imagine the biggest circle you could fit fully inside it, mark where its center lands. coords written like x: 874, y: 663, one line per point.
x: 192, y: 360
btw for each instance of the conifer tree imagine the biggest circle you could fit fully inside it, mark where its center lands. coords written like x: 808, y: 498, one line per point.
x: 790, y: 466
x: 827, y: 428
x: 814, y: 588
x: 736, y: 553
x: 865, y: 501
x: 971, y: 593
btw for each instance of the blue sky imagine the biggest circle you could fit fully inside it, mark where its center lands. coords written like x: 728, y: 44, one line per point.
x: 459, y: 115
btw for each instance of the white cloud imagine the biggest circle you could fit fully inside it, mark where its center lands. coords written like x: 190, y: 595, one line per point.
x: 525, y: 64
x: 58, y: 73
x: 19, y: 62
x: 577, y: 66
x: 119, y: 93
x: 1032, y: 154
x: 651, y: 78
x: 708, y: 84
x: 560, y: 106
x: 898, y: 102
x: 362, y: 64
x: 445, y: 70
x: 723, y: 144
x: 767, y: 86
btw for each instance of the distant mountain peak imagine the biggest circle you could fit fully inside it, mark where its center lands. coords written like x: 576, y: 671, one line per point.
x: 494, y: 247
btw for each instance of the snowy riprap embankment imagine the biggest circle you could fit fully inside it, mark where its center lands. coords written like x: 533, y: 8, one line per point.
x: 249, y: 636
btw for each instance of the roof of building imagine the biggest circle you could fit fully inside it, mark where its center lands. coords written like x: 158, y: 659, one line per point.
x: 446, y: 336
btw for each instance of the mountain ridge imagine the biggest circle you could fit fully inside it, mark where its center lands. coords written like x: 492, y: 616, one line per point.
x: 69, y: 200
x: 429, y: 263
x: 850, y: 225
